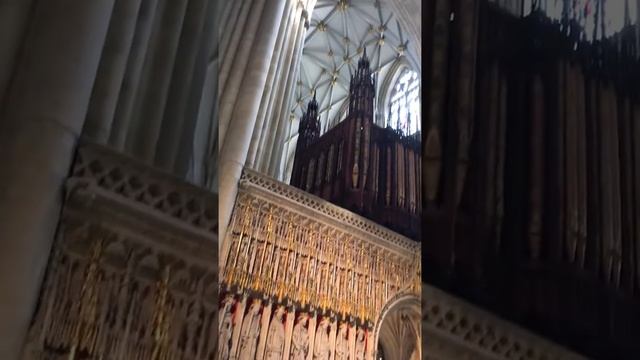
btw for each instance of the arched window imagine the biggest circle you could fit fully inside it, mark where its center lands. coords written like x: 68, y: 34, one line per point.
x: 404, y: 103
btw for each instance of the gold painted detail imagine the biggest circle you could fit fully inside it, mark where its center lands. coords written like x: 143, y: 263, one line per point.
x: 279, y: 253
x: 108, y: 292
x: 107, y: 295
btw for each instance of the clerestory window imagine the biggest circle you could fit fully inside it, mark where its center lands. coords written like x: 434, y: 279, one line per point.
x: 404, y: 103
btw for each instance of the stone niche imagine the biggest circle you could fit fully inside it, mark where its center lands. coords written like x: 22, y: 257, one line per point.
x: 306, y: 279
x: 133, y: 271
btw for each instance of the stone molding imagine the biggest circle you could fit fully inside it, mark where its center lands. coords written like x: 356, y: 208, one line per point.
x: 324, y: 211
x: 282, y: 217
x: 134, y: 266
x: 272, y: 221
x: 122, y: 176
x: 453, y: 328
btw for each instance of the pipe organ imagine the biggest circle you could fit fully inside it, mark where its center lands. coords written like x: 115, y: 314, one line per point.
x: 546, y: 229
x: 331, y: 273
x: 370, y: 170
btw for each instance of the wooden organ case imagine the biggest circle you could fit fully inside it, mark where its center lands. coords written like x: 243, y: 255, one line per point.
x: 358, y: 165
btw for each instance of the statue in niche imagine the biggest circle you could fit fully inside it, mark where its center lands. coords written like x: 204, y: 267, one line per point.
x: 300, y: 341
x: 275, y: 339
x: 360, y: 344
x: 250, y: 332
x: 226, y: 328
x: 342, y: 343
x: 321, y: 349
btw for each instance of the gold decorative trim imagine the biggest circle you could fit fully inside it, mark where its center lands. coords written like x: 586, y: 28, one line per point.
x: 329, y: 213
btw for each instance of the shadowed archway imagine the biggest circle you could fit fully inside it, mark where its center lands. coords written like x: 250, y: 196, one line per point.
x: 399, y: 331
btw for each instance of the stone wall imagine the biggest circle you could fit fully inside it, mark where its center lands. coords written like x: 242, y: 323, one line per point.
x: 455, y: 329
x: 133, y: 273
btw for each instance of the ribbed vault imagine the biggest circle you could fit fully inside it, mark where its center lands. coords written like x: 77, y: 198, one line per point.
x: 338, y: 34
x: 400, y: 332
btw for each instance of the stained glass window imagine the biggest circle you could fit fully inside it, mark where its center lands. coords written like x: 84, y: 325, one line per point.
x: 404, y: 103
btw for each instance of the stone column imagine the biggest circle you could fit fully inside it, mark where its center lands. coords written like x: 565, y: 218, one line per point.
x: 132, y: 78
x: 275, y: 71
x: 204, y: 143
x: 284, y: 121
x: 158, y: 69
x: 287, y: 161
x: 235, y: 143
x: 286, y: 82
x: 230, y: 34
x: 43, y: 117
x: 201, y: 113
x: 236, y: 58
x: 227, y: 13
x: 111, y: 70
x: 14, y: 16
x: 176, y: 120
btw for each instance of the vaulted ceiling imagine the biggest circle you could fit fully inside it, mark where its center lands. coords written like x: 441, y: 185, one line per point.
x: 338, y: 33
x: 400, y: 332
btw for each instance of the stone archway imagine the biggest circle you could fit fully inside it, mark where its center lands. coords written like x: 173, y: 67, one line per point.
x: 398, y: 333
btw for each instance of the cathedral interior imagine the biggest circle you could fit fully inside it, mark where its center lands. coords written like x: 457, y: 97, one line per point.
x: 321, y: 257
x: 280, y: 179
x: 160, y: 198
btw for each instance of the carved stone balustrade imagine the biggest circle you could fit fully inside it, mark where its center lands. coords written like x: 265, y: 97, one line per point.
x: 333, y: 274
x: 455, y: 329
x: 133, y: 272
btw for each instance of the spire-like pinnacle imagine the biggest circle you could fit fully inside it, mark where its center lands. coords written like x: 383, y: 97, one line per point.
x: 363, y: 63
x: 313, y: 104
